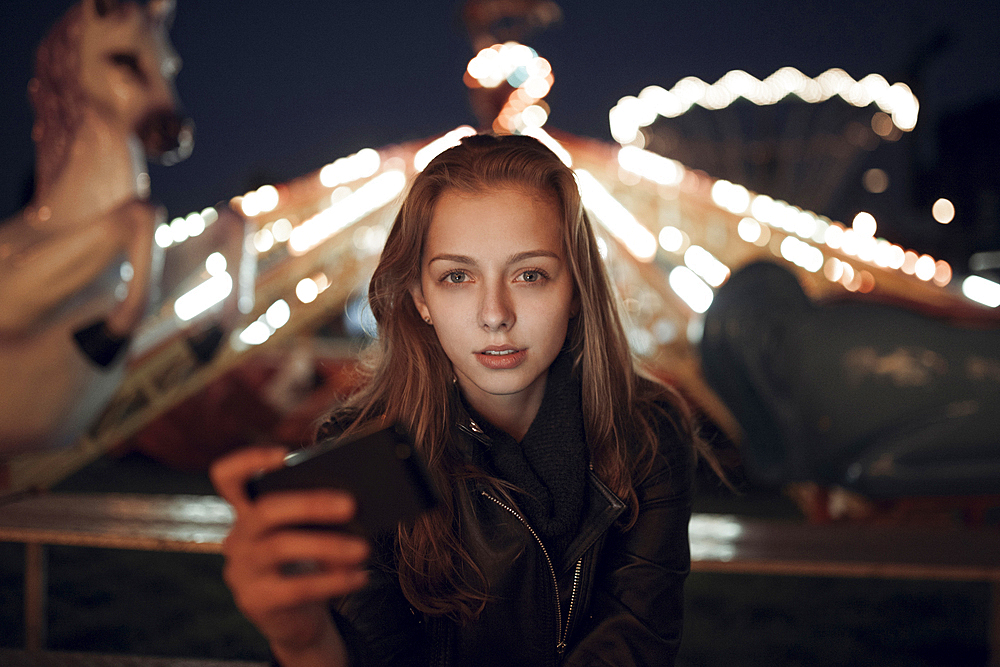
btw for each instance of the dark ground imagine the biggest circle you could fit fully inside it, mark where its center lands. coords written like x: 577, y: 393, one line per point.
x: 169, y: 604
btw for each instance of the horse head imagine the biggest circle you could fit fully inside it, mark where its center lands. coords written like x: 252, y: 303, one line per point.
x: 113, y: 59
x: 128, y: 68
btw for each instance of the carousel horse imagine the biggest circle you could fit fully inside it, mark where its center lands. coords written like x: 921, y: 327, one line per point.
x: 870, y: 397
x: 78, y: 264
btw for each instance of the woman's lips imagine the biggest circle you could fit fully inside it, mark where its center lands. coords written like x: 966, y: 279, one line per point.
x: 501, y: 358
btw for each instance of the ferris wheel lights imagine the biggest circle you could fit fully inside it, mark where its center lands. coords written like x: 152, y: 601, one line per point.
x: 896, y: 100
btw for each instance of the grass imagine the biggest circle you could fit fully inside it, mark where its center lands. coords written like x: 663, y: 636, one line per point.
x: 170, y: 604
x: 772, y: 620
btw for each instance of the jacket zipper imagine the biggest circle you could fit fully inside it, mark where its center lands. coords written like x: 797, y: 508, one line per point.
x: 561, y: 631
x: 572, y: 601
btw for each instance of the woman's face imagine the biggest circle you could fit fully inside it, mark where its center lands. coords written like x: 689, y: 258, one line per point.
x: 498, y: 291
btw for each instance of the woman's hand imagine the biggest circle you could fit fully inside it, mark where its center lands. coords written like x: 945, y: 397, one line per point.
x: 282, y: 577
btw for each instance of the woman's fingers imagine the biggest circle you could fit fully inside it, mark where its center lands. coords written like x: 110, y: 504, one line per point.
x: 271, y: 594
x: 315, y: 507
x: 332, y: 550
x: 230, y: 473
x: 320, y: 550
x: 292, y: 567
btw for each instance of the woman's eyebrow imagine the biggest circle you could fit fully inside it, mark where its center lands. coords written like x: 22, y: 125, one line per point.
x: 458, y: 259
x: 513, y: 259
x: 532, y: 254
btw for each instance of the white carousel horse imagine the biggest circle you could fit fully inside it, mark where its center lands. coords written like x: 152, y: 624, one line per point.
x: 77, y: 265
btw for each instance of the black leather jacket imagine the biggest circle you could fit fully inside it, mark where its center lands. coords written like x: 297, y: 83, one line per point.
x: 618, y: 601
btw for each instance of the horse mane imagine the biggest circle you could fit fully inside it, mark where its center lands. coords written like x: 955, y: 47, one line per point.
x: 57, y: 96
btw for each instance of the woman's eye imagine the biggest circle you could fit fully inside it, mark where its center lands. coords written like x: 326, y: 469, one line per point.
x: 455, y: 277
x: 531, y: 276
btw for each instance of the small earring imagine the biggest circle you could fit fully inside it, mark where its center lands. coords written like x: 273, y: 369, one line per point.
x: 427, y: 319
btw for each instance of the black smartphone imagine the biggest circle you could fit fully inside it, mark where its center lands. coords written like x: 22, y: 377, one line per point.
x: 380, y: 468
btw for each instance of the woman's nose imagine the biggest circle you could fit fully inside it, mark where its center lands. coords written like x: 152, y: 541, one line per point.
x: 497, y: 311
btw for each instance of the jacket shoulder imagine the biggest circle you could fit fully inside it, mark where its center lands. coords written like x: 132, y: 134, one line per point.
x: 667, y: 413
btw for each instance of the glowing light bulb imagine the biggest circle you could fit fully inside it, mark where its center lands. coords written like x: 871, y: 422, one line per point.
x: 943, y: 211
x: 652, y: 166
x: 898, y: 258
x: 875, y: 181
x: 691, y: 289
x: 278, y: 314
x: 281, y: 229
x: 864, y: 224
x: 834, y: 237
x: 179, y: 230
x: 424, y: 156
x: 250, y: 205
x: 730, y: 196
x: 306, y: 290
x: 163, y: 235
x: 884, y: 254
x: 982, y: 291
x: 199, y: 299
x: 256, y: 333
x: 215, y: 264
x: 801, y: 254
x: 702, y: 262
x: 764, y: 209
x: 209, y: 215
x: 551, y: 143
x: 925, y: 268
x: 749, y: 230
x: 354, y: 167
x: 534, y: 116
x: 263, y: 240
x: 195, y: 224
x: 805, y: 225
x: 671, y: 239
x: 833, y: 269
x: 942, y: 273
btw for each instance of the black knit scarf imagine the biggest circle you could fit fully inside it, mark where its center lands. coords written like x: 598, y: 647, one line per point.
x: 549, y: 465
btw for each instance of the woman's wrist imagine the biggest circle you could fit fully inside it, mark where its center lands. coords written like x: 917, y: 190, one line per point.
x: 329, y: 651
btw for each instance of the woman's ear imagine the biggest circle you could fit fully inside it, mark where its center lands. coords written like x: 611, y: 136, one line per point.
x: 417, y: 293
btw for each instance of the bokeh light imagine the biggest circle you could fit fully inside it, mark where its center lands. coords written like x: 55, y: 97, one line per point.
x: 943, y: 211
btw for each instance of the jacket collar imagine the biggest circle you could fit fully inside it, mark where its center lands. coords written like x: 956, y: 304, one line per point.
x: 601, y: 506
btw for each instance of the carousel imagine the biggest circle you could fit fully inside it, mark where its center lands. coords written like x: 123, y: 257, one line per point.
x: 861, y: 376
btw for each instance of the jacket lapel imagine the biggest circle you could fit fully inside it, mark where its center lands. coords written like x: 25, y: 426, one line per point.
x: 601, y: 509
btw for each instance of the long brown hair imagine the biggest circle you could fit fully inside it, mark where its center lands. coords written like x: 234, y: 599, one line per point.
x: 410, y: 378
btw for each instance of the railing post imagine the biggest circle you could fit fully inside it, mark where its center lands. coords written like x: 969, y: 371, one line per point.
x: 994, y: 627
x: 35, y: 593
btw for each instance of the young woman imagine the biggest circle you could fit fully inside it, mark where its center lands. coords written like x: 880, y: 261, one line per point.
x: 565, y: 476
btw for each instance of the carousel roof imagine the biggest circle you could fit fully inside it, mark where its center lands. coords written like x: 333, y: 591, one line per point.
x: 671, y: 236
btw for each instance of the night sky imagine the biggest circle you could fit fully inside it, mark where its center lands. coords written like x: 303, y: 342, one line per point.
x: 278, y: 90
